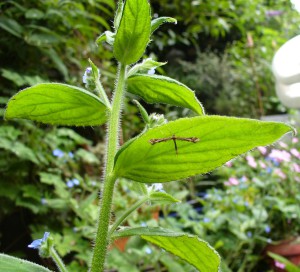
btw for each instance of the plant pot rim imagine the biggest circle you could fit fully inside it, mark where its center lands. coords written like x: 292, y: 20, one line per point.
x: 287, y: 247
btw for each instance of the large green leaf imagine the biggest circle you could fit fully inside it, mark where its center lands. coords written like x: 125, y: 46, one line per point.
x: 220, y: 140
x: 57, y: 104
x: 134, y: 31
x: 188, y: 247
x: 161, y: 89
x: 12, y: 264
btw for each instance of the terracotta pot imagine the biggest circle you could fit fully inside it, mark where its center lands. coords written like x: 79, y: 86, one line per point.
x: 289, y: 249
x: 120, y: 243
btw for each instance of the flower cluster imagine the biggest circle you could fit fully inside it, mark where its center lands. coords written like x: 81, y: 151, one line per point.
x: 60, y: 154
x: 72, y: 182
x: 283, y: 163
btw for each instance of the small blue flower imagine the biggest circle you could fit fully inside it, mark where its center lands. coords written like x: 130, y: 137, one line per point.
x: 206, y: 196
x: 86, y: 74
x: 249, y: 234
x: 267, y: 229
x: 143, y: 224
x: 71, y: 155
x: 36, y: 244
x: 43, y: 201
x: 269, y: 170
x: 93, y: 183
x: 75, y: 181
x: 148, y: 250
x: 70, y: 183
x: 206, y: 220
x: 246, y: 203
x: 58, y: 153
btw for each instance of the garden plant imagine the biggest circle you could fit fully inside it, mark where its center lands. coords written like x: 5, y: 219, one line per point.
x: 162, y: 152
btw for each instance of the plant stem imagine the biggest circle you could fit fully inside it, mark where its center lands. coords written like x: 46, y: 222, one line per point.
x: 102, y: 240
x: 58, y: 261
x: 127, y: 213
x: 102, y: 94
x: 257, y: 86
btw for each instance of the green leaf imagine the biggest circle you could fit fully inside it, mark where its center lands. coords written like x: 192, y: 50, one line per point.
x: 188, y: 247
x: 57, y: 104
x: 220, y: 140
x: 56, y: 181
x: 143, y: 112
x: 161, y: 89
x: 134, y: 31
x: 145, y: 66
x: 290, y: 267
x: 11, y: 26
x: 118, y: 15
x: 34, y: 14
x: 57, y: 61
x: 21, y: 80
x: 95, y: 70
x: 87, y: 157
x: 162, y: 198
x: 12, y: 264
x: 107, y: 36
x: 41, y: 39
x: 156, y: 23
x: 19, y: 149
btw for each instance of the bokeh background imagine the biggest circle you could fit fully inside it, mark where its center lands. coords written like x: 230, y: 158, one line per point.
x: 50, y: 176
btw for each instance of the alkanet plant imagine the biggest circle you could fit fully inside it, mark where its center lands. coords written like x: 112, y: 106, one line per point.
x: 218, y: 139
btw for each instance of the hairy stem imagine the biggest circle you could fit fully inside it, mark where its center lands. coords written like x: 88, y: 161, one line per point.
x: 102, y: 240
x: 58, y: 261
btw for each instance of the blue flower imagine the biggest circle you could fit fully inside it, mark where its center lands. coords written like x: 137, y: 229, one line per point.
x: 148, y: 250
x: 75, y: 181
x: 58, y: 153
x: 249, y: 234
x: 267, y: 229
x: 36, y: 244
x: 70, y: 183
x: 43, y: 201
x: 71, y: 155
x: 206, y: 220
x: 86, y: 74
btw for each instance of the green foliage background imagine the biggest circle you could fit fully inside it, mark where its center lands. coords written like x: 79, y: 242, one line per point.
x: 49, y: 41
